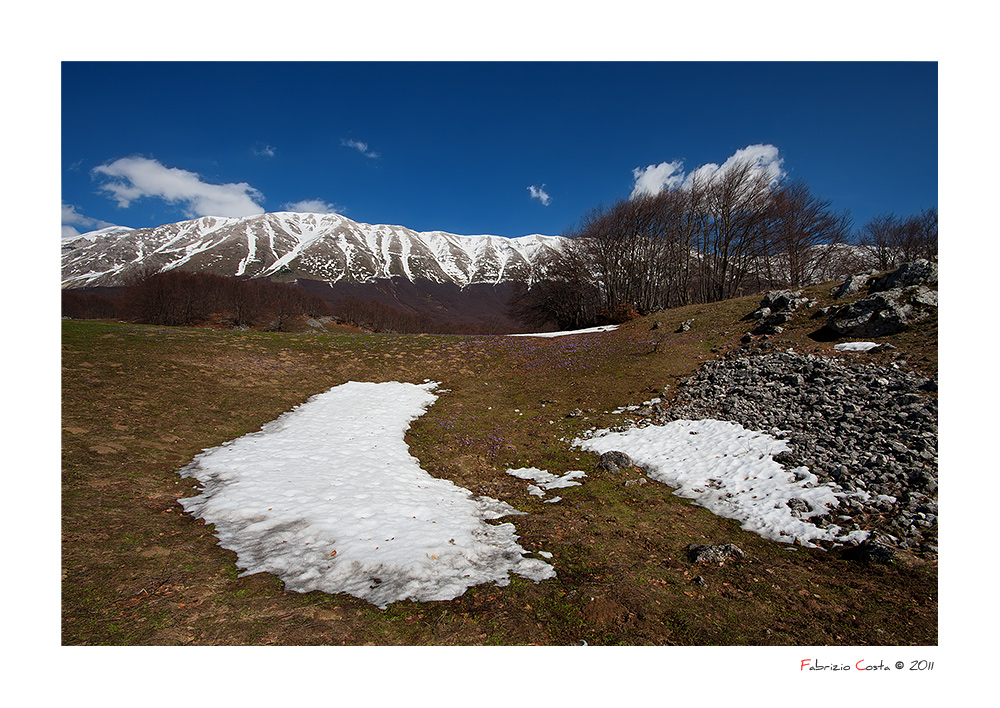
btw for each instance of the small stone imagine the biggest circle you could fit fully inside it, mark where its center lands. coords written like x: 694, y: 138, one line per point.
x: 708, y: 554
x: 872, y: 552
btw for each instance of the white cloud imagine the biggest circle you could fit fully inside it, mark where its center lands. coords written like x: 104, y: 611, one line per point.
x: 313, y: 206
x: 264, y: 150
x: 360, y: 147
x: 132, y: 178
x: 71, y: 218
x: 764, y: 158
x: 540, y: 194
x: 655, y: 178
x: 669, y: 175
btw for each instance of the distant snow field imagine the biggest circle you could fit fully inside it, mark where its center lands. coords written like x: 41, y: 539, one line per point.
x: 730, y: 471
x: 327, y: 497
x: 589, y: 330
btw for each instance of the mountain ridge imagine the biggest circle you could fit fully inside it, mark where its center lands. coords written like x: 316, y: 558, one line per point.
x: 295, y: 245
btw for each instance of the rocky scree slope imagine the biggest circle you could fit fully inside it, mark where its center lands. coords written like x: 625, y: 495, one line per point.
x: 870, y: 429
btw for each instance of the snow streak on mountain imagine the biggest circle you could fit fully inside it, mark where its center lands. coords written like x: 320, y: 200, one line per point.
x: 326, y: 247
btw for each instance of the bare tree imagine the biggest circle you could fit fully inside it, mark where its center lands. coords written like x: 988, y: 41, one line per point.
x: 804, y: 235
x: 889, y: 240
x: 921, y: 236
x: 734, y: 243
x: 568, y: 295
x: 879, y: 240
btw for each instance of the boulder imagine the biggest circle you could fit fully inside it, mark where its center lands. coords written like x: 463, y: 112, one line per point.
x: 614, y: 461
x: 871, y: 551
x: 852, y: 286
x: 919, y: 272
x: 884, y: 313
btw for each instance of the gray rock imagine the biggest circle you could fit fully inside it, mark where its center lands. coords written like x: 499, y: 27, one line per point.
x: 614, y: 461
x: 798, y: 506
x: 871, y: 552
x: 776, y: 309
x: 852, y: 286
x: 709, y: 555
x: 884, y: 313
x: 919, y: 272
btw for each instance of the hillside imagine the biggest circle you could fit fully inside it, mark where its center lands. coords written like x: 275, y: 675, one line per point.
x: 140, y: 403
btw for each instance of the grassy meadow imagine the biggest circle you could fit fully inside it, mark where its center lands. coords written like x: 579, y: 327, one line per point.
x: 139, y: 402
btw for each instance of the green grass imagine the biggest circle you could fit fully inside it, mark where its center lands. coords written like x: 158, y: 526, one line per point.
x: 141, y: 402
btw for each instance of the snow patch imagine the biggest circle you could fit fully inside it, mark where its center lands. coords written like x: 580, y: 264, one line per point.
x: 546, y: 481
x: 730, y: 471
x: 327, y: 497
x: 855, y: 346
x: 589, y: 330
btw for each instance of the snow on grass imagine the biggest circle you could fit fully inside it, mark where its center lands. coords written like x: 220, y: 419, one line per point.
x: 730, y: 471
x: 855, y: 346
x: 590, y: 330
x: 546, y: 481
x: 327, y: 497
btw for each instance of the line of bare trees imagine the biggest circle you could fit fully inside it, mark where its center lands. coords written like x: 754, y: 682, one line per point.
x: 719, y: 236
x: 889, y: 240
x: 181, y: 298
x: 89, y: 306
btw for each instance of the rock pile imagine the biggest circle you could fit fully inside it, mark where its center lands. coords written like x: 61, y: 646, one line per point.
x: 776, y: 309
x: 870, y: 429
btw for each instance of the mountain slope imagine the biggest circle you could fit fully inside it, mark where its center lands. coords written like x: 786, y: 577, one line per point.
x: 326, y: 247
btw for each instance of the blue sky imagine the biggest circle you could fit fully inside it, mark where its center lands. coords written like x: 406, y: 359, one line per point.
x: 506, y: 148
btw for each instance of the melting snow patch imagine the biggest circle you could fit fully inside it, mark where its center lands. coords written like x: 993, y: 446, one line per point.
x: 730, y: 471
x: 590, y: 330
x: 546, y: 481
x: 327, y: 497
x: 855, y: 346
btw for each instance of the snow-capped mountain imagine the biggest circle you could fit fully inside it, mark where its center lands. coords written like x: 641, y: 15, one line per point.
x: 326, y: 247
